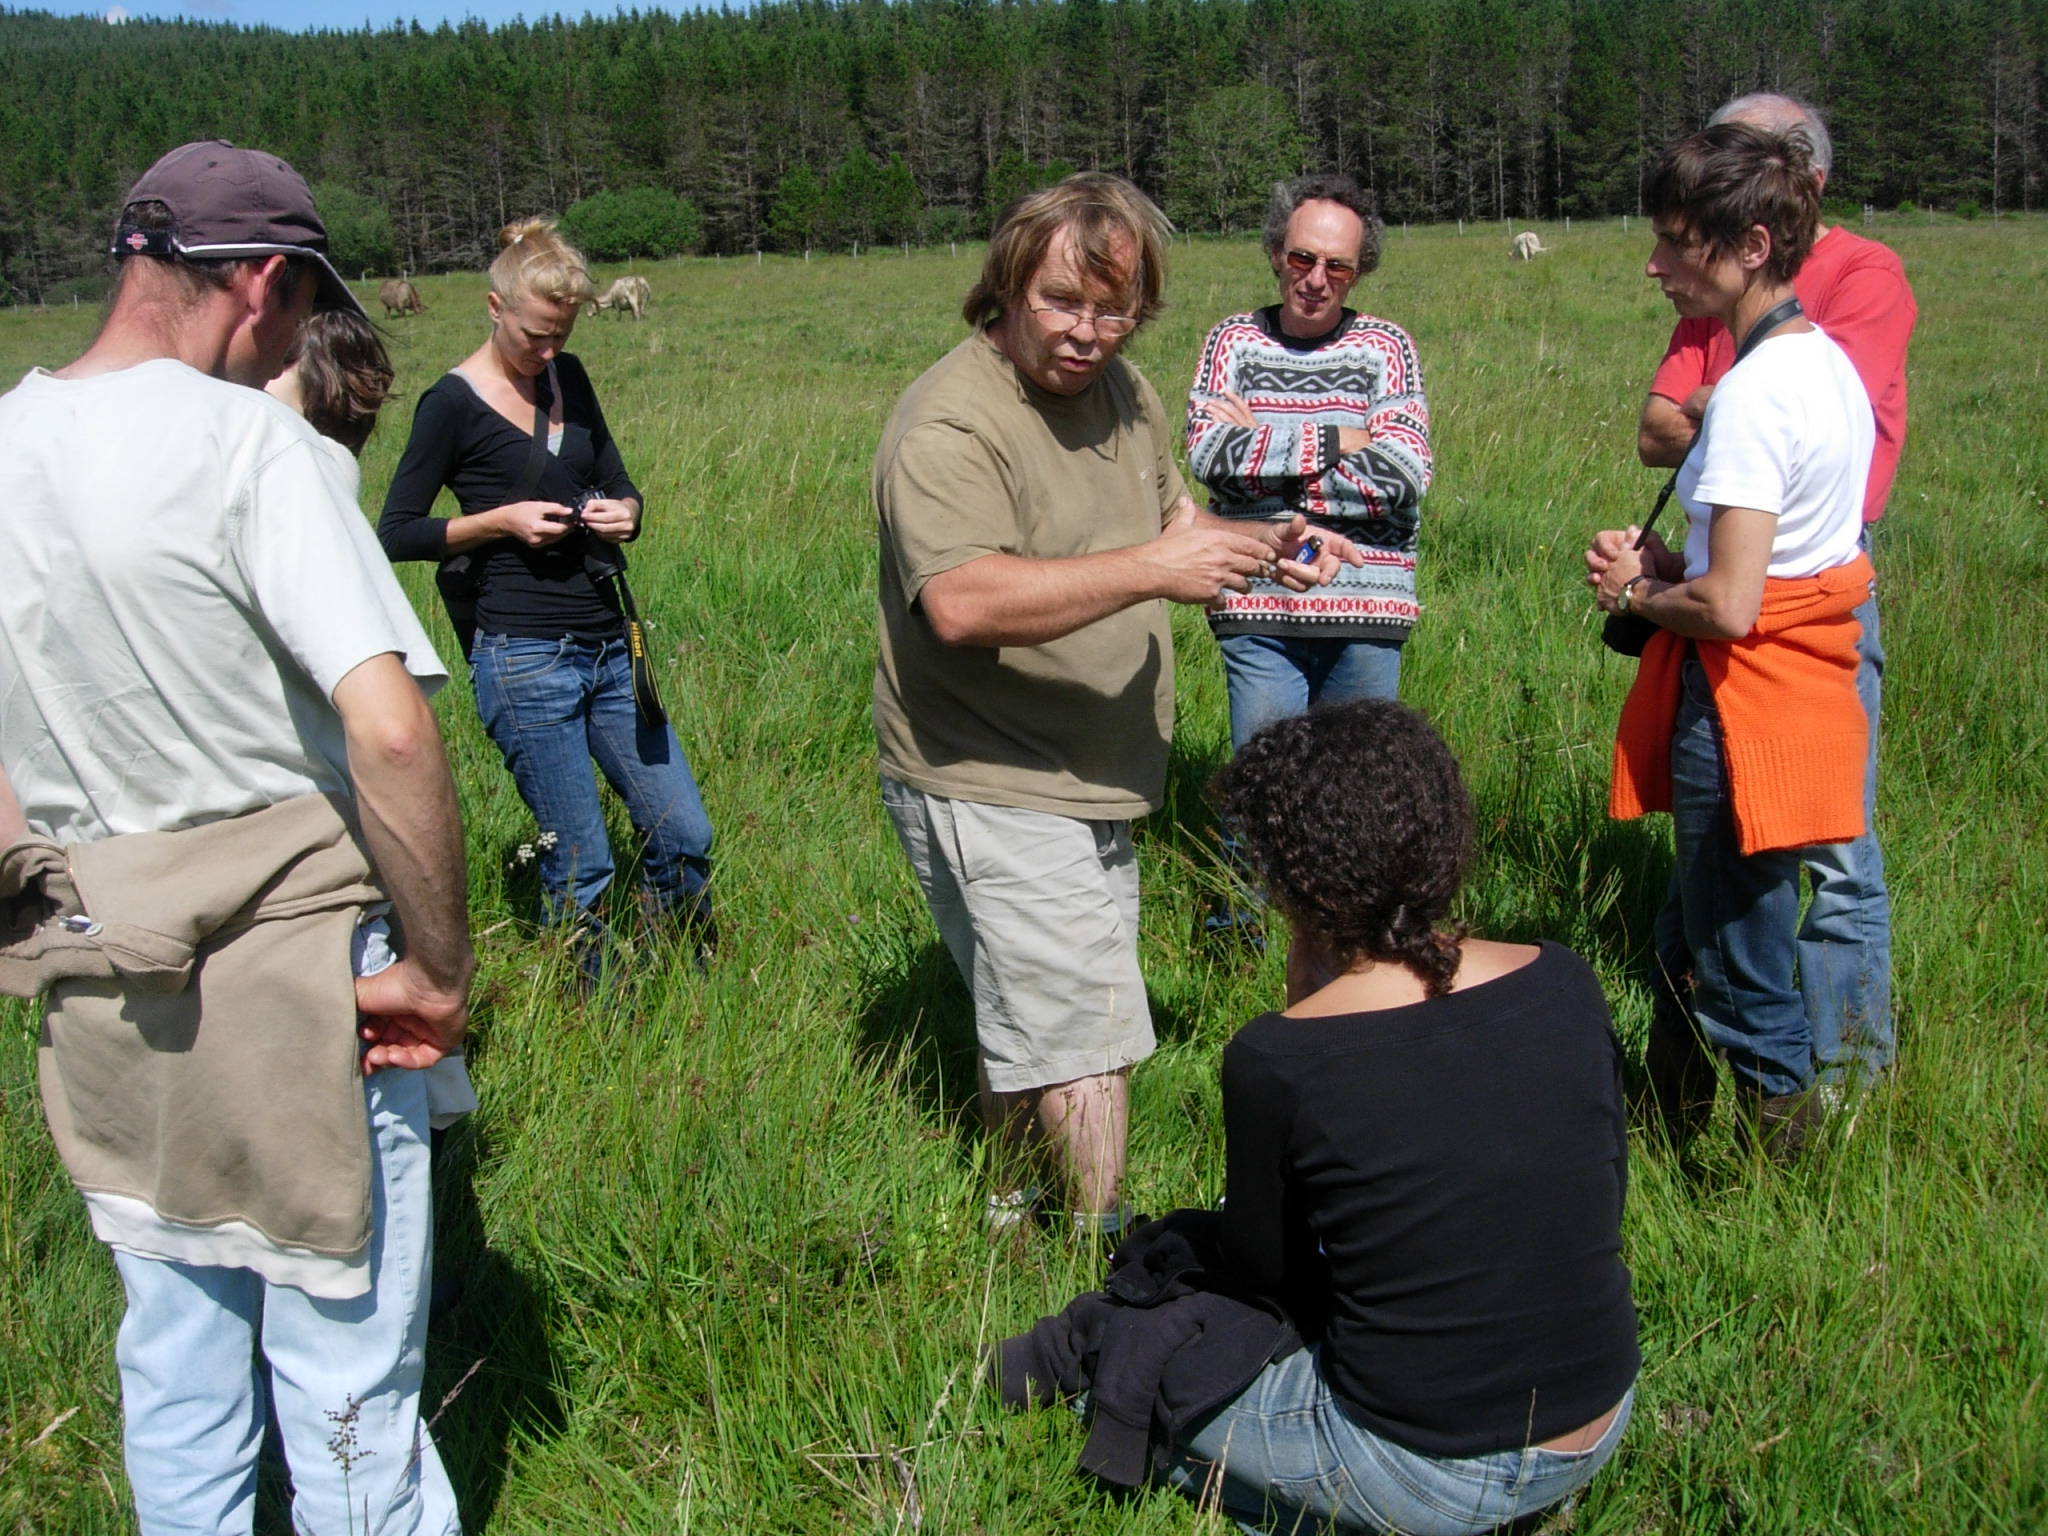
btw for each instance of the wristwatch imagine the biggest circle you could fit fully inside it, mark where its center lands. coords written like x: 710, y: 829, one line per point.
x: 1624, y: 599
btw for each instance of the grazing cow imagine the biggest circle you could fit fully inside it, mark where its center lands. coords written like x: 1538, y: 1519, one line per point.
x: 1526, y: 247
x: 632, y: 293
x: 399, y: 297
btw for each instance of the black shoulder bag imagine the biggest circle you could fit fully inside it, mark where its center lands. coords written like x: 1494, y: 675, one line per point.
x: 460, y: 576
x: 1626, y: 634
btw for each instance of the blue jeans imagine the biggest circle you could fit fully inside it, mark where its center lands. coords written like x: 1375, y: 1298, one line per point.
x: 553, y: 705
x: 197, y: 1339
x: 1732, y: 918
x: 1845, y: 943
x: 1272, y: 677
x: 1285, y: 1456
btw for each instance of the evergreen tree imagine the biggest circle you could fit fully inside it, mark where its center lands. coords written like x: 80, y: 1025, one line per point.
x: 853, y: 199
x: 1012, y: 176
x: 1442, y: 108
x: 897, y: 202
x: 797, y: 219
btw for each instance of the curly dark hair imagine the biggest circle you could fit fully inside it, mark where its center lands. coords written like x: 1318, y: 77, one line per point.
x: 1356, y: 817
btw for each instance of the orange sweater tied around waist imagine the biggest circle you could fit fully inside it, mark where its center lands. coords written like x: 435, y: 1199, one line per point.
x: 1794, y: 738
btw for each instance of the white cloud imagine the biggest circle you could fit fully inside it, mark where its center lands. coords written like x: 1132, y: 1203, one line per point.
x: 115, y: 16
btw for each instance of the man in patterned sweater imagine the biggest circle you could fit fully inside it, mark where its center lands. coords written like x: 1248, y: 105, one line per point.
x: 1308, y: 407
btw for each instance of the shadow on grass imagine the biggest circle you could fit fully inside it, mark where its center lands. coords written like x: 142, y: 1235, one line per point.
x: 499, y: 1318
x: 1186, y: 821
x: 919, y: 1026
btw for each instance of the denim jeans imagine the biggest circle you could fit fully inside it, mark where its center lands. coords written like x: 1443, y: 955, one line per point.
x: 1291, y: 1459
x: 1273, y: 677
x: 553, y: 705
x: 196, y: 1341
x: 1732, y: 918
x: 1845, y: 943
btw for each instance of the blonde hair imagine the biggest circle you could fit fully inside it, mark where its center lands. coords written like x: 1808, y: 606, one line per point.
x: 1102, y: 211
x: 535, y: 262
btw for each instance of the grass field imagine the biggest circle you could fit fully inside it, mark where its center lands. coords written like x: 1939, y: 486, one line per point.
x: 722, y: 1252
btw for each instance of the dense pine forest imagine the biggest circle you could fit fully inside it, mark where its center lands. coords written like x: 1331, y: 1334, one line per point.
x: 829, y: 123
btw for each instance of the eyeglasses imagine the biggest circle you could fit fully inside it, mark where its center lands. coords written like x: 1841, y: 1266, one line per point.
x: 1301, y: 263
x: 1062, y: 318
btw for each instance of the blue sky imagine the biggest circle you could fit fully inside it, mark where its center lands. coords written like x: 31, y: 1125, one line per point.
x: 303, y: 15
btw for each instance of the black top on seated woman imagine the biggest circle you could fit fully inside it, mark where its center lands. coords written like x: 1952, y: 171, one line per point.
x: 1426, y: 1160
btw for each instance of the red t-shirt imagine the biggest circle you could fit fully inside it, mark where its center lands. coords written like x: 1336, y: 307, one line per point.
x: 1856, y: 291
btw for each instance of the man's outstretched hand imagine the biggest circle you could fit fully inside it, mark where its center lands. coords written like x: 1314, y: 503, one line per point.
x: 408, y: 1020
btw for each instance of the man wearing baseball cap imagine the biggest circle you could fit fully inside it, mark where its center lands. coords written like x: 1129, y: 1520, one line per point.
x: 224, y: 806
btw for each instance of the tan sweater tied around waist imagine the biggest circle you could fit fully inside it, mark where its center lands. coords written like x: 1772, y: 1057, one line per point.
x: 199, y: 1048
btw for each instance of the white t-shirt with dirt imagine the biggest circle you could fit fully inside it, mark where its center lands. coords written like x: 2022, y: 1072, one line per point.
x: 1788, y: 431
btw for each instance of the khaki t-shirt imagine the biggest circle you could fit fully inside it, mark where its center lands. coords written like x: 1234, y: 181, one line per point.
x: 976, y: 460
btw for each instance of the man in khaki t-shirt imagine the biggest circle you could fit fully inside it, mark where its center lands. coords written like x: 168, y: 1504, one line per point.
x: 1033, y: 528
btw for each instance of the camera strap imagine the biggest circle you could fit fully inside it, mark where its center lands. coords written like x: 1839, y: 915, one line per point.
x: 537, y: 450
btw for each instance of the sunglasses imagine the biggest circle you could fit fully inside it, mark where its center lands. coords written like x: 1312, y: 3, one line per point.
x: 1301, y: 263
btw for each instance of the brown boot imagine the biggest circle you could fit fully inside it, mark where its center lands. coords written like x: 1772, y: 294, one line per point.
x: 1782, y: 1127
x: 1681, y: 1079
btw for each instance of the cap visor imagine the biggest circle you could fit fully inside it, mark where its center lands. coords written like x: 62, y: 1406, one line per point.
x: 333, y: 292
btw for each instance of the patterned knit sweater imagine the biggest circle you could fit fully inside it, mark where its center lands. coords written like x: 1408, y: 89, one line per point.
x: 1362, y: 374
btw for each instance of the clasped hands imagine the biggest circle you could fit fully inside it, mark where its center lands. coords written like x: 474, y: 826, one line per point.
x: 1613, y: 561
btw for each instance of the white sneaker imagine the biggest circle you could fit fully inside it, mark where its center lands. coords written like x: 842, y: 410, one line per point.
x: 1004, y: 1214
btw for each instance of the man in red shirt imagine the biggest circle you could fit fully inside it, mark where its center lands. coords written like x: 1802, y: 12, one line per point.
x: 1855, y: 290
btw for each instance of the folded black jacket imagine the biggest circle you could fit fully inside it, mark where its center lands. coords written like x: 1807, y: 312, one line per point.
x: 1170, y: 1337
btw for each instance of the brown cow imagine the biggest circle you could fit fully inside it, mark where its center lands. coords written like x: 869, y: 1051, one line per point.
x: 399, y: 297
x: 632, y: 293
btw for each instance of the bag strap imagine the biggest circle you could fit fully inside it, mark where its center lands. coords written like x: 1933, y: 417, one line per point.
x: 1784, y: 314
x: 537, y: 450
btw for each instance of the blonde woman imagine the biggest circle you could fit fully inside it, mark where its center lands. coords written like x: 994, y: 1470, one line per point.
x: 514, y: 431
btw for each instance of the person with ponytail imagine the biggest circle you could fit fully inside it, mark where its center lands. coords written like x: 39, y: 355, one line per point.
x: 1426, y: 1155
x: 515, y: 432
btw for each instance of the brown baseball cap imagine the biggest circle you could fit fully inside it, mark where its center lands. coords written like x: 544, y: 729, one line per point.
x: 227, y: 203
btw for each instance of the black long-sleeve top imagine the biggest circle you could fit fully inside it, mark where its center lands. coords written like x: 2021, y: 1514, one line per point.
x: 1435, y: 1191
x: 459, y: 442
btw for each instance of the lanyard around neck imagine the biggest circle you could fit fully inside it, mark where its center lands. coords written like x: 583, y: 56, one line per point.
x: 1784, y: 314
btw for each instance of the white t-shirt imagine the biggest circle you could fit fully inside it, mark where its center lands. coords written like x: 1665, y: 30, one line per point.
x: 188, y: 578
x: 1789, y: 431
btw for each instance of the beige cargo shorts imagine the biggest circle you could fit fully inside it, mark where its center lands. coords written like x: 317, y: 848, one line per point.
x: 1040, y: 912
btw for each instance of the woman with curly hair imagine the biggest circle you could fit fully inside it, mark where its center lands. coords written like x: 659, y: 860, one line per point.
x: 1426, y: 1158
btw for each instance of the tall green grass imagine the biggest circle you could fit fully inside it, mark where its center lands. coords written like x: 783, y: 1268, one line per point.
x: 721, y: 1244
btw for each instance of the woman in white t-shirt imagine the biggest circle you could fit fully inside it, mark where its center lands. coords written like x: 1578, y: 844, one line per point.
x: 1744, y: 720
